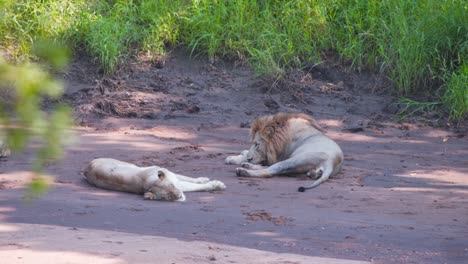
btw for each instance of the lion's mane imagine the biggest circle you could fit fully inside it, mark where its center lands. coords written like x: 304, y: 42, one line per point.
x: 276, y: 134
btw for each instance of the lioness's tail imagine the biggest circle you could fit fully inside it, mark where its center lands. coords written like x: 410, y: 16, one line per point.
x: 324, y: 173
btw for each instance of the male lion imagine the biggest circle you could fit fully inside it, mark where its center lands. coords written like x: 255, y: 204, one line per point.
x: 289, y: 144
x: 154, y: 182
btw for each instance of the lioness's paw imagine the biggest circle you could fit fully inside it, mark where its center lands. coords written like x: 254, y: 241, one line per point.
x: 218, y: 185
x: 181, y: 198
x: 149, y: 196
x: 202, y: 180
x: 241, y: 172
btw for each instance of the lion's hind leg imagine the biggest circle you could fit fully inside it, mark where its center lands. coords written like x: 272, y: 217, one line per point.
x: 292, y: 166
x: 322, y: 174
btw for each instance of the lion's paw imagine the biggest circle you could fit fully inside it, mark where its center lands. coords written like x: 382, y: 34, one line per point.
x: 233, y: 159
x: 242, y: 172
x: 218, y: 185
x: 202, y: 180
x: 251, y: 166
x: 246, y: 165
x: 238, y: 159
x: 315, y: 174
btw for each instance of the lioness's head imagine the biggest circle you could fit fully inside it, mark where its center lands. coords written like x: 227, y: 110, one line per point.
x: 163, y: 189
x: 271, y: 135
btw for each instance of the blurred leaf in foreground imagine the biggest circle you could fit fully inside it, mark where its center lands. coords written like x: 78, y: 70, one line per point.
x: 23, y: 88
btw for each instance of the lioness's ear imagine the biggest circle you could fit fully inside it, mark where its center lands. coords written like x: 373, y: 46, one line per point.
x: 161, y: 175
x: 269, y: 131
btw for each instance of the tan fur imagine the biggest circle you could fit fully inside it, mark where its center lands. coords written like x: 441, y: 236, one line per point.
x: 289, y: 144
x: 154, y: 182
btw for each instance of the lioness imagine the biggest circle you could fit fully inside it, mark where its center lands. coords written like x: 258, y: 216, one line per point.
x: 154, y: 182
x: 289, y: 144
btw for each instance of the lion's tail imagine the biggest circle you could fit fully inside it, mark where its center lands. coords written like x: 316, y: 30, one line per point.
x: 325, y: 171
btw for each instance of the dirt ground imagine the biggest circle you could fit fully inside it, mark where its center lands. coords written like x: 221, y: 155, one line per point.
x: 402, y: 196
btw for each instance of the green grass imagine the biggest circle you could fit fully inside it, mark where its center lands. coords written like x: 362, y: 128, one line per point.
x: 421, y: 45
x: 272, y: 36
x: 412, y: 108
x: 24, y: 22
x: 456, y: 93
x: 110, y: 32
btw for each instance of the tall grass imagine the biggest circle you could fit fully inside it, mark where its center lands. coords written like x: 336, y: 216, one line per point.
x: 112, y: 30
x: 456, y: 93
x: 272, y: 35
x: 161, y: 21
x: 422, y: 45
x: 24, y: 22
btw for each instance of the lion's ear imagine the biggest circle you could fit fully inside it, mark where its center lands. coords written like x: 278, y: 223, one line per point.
x: 269, y: 131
